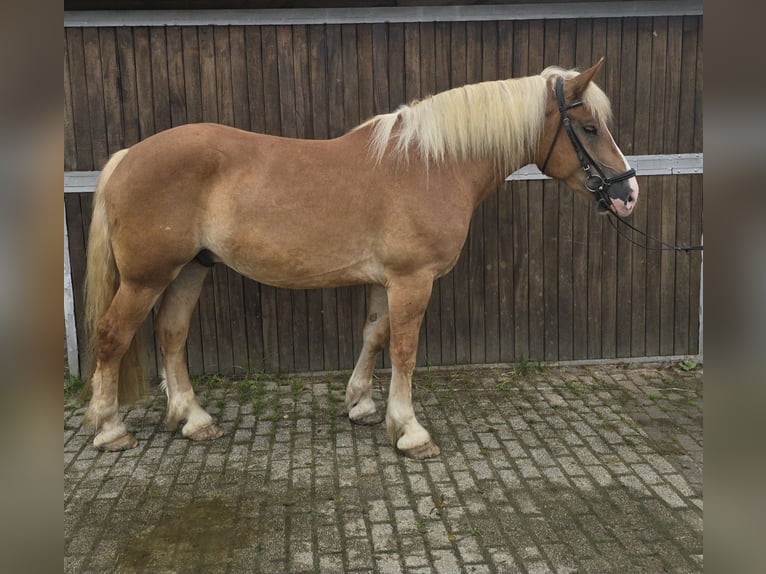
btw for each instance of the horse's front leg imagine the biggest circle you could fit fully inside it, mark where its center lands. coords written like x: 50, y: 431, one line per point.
x: 407, y: 302
x: 359, y: 403
x: 172, y: 328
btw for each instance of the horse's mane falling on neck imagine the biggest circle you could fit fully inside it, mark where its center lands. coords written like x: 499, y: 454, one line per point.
x: 500, y: 120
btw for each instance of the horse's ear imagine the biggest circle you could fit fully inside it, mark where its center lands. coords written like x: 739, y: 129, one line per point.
x: 574, y: 87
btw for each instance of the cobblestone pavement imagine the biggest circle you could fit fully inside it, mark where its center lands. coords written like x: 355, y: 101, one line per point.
x: 578, y: 469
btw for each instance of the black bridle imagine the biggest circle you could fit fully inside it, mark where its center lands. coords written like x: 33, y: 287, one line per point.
x: 598, y: 182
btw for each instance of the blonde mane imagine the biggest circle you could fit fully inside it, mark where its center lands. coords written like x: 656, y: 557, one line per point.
x: 501, y: 119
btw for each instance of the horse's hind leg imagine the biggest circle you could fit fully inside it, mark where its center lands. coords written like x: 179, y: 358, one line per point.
x: 172, y: 328
x: 407, y: 302
x: 128, y: 309
x: 361, y: 408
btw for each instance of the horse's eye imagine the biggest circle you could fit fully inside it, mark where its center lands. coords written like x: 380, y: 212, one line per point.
x: 590, y: 130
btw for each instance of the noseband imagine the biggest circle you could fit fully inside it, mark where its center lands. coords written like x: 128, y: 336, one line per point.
x: 597, y: 182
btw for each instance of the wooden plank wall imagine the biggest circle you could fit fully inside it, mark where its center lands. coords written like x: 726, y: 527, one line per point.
x: 542, y: 276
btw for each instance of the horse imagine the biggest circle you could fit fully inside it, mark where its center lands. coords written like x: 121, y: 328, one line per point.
x: 387, y: 204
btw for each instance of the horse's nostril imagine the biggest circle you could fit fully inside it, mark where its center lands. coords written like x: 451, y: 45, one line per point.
x: 631, y: 198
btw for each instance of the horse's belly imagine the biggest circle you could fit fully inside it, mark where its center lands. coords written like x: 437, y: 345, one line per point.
x: 299, y: 269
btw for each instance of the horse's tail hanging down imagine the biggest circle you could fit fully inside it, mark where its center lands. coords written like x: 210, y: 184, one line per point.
x: 101, y: 282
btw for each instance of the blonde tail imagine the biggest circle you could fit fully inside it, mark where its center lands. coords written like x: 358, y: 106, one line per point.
x: 101, y: 282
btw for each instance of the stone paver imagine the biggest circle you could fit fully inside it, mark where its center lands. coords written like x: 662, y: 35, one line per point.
x: 572, y: 469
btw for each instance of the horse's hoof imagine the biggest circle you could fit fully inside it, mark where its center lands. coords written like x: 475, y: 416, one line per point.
x: 422, y: 452
x: 123, y: 442
x: 370, y: 419
x: 209, y: 432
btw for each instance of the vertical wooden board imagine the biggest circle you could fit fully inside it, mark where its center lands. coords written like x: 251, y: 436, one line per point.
x: 300, y: 330
x: 80, y: 112
x: 432, y: 320
x: 366, y: 83
x: 565, y: 327
x: 505, y: 267
x: 254, y: 71
x: 271, y: 340
x: 638, y: 219
x: 698, y: 82
x: 667, y: 269
x: 302, y: 333
x: 609, y: 241
x: 412, y: 61
x: 460, y: 272
x: 208, y: 84
x: 669, y: 199
x: 475, y: 246
x: 77, y: 258
x: 191, y: 67
x: 70, y: 145
x: 536, y: 60
x: 95, y: 89
x: 273, y: 323
x: 110, y: 79
x: 239, y: 346
x: 350, y: 78
x: 223, y: 319
x: 520, y: 211
x: 651, y: 188
x: 143, y: 57
x: 315, y: 327
x: 696, y: 209
x: 302, y: 82
x: 286, y: 75
x: 627, y: 96
x: 595, y: 230
x: 159, y: 75
x: 222, y: 52
x: 239, y: 93
x: 491, y: 295
x: 686, y: 131
x: 335, y: 81
x: 444, y: 289
x: 254, y: 326
x: 286, y: 312
x: 176, y: 84
x: 505, y: 55
x: 550, y: 264
x: 581, y: 211
x: 695, y: 264
x: 380, y: 68
x: 128, y: 85
x: 682, y: 261
x: 396, y: 81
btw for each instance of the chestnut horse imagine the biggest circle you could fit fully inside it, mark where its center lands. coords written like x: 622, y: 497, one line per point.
x: 387, y: 204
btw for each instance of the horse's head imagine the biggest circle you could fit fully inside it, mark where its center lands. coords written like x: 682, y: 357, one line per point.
x: 576, y: 146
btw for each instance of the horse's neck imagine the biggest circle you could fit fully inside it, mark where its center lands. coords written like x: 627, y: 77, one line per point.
x: 478, y: 177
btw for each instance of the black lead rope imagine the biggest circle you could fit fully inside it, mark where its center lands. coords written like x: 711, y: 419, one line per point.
x: 664, y: 246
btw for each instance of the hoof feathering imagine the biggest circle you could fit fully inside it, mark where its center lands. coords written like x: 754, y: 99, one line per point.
x: 368, y: 420
x: 422, y: 452
x: 124, y: 442
x: 209, y: 432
